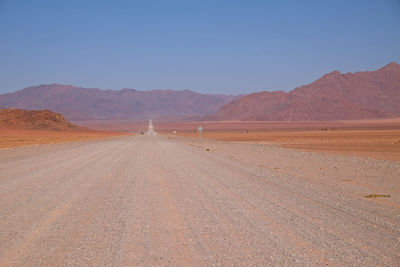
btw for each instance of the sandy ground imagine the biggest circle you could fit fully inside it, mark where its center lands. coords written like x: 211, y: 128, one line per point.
x: 378, y: 144
x: 229, y: 126
x: 168, y: 200
x: 379, y: 139
x: 20, y: 137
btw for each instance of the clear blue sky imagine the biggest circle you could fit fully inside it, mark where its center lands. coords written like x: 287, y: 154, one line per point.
x: 211, y: 46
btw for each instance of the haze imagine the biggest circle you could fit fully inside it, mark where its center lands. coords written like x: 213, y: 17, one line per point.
x: 229, y: 47
x: 212, y: 172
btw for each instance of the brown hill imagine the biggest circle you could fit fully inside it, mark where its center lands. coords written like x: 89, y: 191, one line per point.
x: 335, y: 96
x: 35, y: 120
x: 85, y: 104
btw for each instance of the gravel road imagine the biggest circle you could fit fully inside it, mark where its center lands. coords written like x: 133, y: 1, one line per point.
x: 157, y: 200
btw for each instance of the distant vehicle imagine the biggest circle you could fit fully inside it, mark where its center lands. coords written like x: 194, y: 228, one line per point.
x: 200, y: 130
x: 151, y: 131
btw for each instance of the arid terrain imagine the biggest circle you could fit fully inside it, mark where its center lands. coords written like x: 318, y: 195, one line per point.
x: 335, y: 96
x: 21, y: 128
x: 379, y: 139
x: 16, y: 137
x: 77, y: 103
x: 379, y: 144
x: 246, y: 193
x: 170, y: 200
x: 199, y: 133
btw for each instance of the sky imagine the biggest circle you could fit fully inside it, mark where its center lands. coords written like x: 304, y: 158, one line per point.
x: 208, y: 46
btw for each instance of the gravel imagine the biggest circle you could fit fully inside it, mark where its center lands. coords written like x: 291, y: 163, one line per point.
x: 156, y: 200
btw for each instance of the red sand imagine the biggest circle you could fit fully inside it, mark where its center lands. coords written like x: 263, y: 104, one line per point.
x: 17, y: 137
x: 169, y: 126
x: 365, y: 138
x: 379, y: 144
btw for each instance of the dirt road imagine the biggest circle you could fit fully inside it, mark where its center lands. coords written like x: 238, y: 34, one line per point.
x: 156, y: 200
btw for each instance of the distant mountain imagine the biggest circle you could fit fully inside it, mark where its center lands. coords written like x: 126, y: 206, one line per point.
x: 78, y: 104
x: 35, y: 120
x: 335, y: 96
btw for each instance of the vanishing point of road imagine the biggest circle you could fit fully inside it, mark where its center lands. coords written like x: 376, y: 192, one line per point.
x: 156, y: 200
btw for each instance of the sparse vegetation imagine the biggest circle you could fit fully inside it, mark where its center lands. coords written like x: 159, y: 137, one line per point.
x: 375, y: 196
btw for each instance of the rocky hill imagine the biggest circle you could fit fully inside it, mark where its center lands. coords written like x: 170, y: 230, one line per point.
x: 35, y: 120
x: 335, y: 96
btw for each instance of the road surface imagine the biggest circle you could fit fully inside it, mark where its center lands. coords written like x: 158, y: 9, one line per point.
x: 156, y: 200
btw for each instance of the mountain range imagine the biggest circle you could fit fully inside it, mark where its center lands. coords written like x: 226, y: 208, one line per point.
x: 335, y: 96
x: 78, y: 104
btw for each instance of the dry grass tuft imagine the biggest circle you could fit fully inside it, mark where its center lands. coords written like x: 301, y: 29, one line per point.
x: 375, y: 196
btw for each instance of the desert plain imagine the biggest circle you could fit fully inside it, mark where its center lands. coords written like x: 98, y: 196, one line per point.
x: 199, y: 133
x: 379, y: 144
x: 259, y: 194
x: 378, y: 138
x: 10, y: 138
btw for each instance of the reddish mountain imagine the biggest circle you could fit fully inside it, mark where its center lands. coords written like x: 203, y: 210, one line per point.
x: 335, y: 96
x: 35, y: 120
x: 83, y: 104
